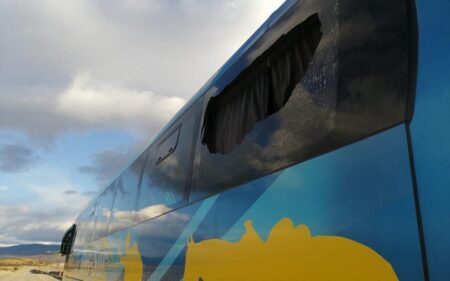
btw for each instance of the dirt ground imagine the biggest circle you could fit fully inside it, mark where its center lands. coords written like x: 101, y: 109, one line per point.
x: 37, y: 268
x: 25, y: 274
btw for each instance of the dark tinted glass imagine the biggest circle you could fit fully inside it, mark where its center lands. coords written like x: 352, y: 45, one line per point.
x: 355, y: 85
x: 124, y: 208
x: 79, y: 245
x: 82, y: 227
x: 166, y: 174
x: 89, y: 226
x: 168, y: 146
x: 103, y: 211
x: 374, y: 52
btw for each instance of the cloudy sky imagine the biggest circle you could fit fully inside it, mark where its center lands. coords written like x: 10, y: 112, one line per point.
x: 84, y: 85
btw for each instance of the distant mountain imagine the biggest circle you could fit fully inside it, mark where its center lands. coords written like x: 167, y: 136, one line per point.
x: 28, y: 250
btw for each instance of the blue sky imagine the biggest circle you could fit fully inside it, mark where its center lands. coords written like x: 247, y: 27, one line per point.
x: 85, y: 85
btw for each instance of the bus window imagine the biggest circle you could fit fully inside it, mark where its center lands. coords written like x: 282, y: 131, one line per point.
x: 168, y: 146
x: 89, y: 225
x: 298, y: 109
x: 103, y: 211
x: 169, y: 162
x: 124, y: 208
x: 349, y: 91
x: 81, y: 227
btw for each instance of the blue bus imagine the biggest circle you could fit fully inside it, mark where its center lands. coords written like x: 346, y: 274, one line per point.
x: 319, y: 151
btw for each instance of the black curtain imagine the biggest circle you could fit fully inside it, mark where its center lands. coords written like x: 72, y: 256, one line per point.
x: 262, y: 89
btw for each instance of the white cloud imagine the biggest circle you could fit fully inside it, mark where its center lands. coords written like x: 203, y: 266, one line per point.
x: 28, y: 225
x: 86, y: 104
x: 110, y: 105
x: 88, y: 65
x: 42, y: 213
x: 4, y: 188
x: 6, y: 245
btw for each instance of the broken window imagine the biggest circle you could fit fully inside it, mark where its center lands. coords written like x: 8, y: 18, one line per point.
x: 262, y: 89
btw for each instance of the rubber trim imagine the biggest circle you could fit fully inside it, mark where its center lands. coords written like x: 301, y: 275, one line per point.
x: 423, y: 248
x: 413, y: 53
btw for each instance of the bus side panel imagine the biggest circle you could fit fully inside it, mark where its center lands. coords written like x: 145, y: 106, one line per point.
x: 349, y: 214
x: 430, y: 132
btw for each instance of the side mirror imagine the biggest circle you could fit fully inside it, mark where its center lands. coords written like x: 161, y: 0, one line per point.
x: 67, y: 241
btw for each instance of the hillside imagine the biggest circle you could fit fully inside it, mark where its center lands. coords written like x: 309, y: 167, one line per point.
x: 28, y: 250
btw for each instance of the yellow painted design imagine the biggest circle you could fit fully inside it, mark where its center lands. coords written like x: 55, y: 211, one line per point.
x: 290, y: 253
x: 131, y: 261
